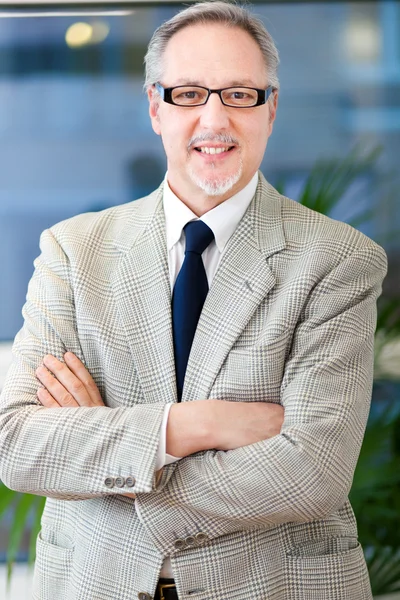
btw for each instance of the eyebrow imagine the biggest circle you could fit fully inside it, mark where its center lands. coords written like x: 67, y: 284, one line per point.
x: 235, y: 83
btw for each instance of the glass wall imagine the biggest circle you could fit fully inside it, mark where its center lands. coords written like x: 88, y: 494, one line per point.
x: 75, y: 133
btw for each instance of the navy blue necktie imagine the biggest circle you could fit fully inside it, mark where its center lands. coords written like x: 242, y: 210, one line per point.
x: 190, y: 291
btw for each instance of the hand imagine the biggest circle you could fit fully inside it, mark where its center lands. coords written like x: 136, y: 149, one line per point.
x: 221, y: 425
x: 70, y: 385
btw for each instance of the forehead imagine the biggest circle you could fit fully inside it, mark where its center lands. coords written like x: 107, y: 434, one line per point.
x: 213, y: 54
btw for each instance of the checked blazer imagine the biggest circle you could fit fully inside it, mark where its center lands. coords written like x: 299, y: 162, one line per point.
x: 289, y: 318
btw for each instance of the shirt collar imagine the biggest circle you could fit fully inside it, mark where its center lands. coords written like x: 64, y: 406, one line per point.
x: 222, y: 220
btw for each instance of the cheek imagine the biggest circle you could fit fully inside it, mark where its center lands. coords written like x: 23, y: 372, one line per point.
x: 176, y: 138
x: 263, y: 131
x: 174, y: 144
x: 256, y: 140
x: 254, y: 131
x: 171, y: 129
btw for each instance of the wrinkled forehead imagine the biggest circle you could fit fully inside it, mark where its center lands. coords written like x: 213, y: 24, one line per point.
x: 213, y: 54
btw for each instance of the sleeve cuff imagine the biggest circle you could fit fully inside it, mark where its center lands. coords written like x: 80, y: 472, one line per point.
x: 163, y: 458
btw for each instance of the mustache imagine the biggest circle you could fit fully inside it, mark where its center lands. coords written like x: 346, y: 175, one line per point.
x: 221, y: 138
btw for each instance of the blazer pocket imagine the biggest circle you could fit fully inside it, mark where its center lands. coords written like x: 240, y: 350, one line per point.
x: 52, y: 570
x: 336, y: 576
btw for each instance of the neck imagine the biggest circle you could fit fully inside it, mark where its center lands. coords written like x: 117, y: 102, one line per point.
x: 199, y: 202
x: 201, y: 205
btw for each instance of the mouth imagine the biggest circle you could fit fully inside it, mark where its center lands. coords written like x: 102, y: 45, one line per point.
x: 214, y: 150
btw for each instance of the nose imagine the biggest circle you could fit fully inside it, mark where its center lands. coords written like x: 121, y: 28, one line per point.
x: 214, y: 115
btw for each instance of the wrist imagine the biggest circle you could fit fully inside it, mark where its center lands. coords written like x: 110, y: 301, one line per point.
x: 190, y: 428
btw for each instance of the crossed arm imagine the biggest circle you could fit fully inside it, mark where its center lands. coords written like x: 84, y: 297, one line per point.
x: 192, y: 426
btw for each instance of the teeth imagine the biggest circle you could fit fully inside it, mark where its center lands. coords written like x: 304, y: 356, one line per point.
x: 212, y: 150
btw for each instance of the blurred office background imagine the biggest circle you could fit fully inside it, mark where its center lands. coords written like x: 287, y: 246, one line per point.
x: 75, y: 133
x: 76, y: 137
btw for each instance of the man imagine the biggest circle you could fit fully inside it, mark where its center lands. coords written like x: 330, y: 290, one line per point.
x: 163, y: 419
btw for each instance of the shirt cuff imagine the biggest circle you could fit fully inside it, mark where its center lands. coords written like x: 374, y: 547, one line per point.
x: 163, y: 458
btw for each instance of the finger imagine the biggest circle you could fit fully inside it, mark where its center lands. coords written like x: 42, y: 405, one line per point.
x: 72, y: 384
x: 57, y: 391
x: 46, y: 399
x: 79, y: 369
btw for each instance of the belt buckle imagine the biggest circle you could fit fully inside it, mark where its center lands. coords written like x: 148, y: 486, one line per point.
x: 164, y: 586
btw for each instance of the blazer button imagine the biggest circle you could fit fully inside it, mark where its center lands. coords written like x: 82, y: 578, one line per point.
x: 201, y: 537
x: 130, y: 481
x: 144, y: 596
x: 179, y: 544
x: 190, y: 540
x: 120, y: 482
x: 109, y: 482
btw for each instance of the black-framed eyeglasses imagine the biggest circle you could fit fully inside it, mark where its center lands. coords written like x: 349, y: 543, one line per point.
x: 196, y: 95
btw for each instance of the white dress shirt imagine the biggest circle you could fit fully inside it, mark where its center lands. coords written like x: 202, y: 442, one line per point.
x: 222, y: 220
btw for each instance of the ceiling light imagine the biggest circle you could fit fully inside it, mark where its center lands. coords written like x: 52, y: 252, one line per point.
x: 363, y: 41
x: 100, y: 31
x: 78, y: 34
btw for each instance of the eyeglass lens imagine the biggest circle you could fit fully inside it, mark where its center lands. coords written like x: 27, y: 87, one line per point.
x: 192, y: 96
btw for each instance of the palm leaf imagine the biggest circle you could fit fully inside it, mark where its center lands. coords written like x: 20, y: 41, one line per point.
x: 388, y: 320
x: 26, y: 512
x: 7, y: 498
x: 22, y: 511
x: 384, y: 570
x: 375, y: 497
x: 329, y: 181
x: 36, y: 524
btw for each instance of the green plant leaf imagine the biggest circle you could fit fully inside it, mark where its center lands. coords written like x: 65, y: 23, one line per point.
x: 7, y: 498
x: 19, y: 523
x: 384, y: 570
x: 38, y: 508
x: 375, y: 494
x: 328, y: 181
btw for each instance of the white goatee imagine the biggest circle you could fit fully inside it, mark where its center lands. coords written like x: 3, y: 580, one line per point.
x: 217, y: 186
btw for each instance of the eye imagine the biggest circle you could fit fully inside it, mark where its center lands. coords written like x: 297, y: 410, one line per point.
x: 239, y: 95
x: 190, y: 95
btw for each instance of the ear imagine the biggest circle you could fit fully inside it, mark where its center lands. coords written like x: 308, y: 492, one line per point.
x: 154, y: 104
x: 273, y: 107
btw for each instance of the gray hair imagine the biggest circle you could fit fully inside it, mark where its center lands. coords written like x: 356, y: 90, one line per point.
x: 232, y: 15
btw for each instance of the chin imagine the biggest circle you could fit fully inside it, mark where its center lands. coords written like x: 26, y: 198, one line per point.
x: 216, y: 186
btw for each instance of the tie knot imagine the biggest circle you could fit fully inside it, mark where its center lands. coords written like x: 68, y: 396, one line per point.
x: 198, y: 236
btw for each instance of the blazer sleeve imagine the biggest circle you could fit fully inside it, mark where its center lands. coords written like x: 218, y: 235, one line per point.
x: 306, y: 471
x: 70, y: 453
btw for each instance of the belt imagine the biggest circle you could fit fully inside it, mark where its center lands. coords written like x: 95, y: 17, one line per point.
x: 166, y: 590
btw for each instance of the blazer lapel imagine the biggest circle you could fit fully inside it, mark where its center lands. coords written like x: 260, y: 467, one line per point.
x: 241, y: 283
x: 143, y: 297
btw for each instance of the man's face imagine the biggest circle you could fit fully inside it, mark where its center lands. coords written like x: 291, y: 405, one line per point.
x: 214, y: 56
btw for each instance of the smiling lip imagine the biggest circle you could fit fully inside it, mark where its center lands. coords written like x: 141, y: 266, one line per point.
x: 207, y: 150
